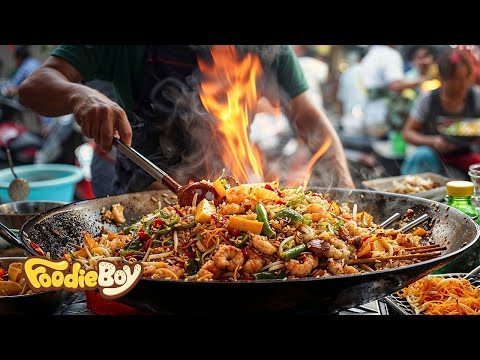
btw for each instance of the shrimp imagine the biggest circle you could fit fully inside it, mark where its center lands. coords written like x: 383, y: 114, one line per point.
x: 261, y: 243
x: 173, y: 272
x: 335, y: 267
x: 209, y: 270
x: 232, y: 208
x: 229, y: 257
x: 302, y: 266
x: 254, y: 263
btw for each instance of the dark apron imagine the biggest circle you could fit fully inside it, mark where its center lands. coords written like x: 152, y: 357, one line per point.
x: 157, y: 132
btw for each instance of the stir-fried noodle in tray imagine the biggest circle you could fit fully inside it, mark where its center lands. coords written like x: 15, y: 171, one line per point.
x: 259, y: 231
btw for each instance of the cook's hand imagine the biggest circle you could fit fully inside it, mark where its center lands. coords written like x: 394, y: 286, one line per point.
x: 442, y: 145
x: 99, y: 117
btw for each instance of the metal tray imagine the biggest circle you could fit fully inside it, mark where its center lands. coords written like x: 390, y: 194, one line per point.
x: 403, y: 307
x: 386, y: 185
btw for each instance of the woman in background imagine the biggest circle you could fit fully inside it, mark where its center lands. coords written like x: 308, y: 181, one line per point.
x: 456, y: 97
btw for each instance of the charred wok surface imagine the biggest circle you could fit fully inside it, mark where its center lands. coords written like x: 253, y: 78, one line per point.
x: 449, y: 227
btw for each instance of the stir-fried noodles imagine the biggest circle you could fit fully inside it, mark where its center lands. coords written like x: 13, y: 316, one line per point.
x: 438, y: 295
x: 258, y: 231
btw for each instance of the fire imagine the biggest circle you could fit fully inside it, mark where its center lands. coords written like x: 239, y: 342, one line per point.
x: 229, y: 92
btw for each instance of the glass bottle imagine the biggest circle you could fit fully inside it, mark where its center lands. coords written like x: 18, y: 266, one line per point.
x: 459, y: 195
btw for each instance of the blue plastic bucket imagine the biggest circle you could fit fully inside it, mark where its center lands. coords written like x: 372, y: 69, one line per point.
x: 47, y: 181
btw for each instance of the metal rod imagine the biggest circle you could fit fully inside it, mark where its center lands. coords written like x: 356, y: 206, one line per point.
x: 414, y: 223
x: 146, y: 164
x: 10, y: 162
x: 390, y: 220
x: 473, y: 272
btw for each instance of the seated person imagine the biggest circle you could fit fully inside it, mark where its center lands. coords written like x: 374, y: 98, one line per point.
x: 456, y: 97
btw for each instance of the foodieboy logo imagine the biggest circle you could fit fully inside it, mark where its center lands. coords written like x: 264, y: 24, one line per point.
x: 112, y: 281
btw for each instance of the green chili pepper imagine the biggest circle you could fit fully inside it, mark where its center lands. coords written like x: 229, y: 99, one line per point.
x: 163, y: 231
x: 129, y: 229
x: 130, y: 252
x: 289, y: 215
x: 172, y: 219
x: 184, y: 225
x: 263, y: 217
x: 265, y: 275
x: 297, y: 201
x: 295, y: 252
x: 157, y: 243
x: 241, y: 242
x: 135, y: 244
x: 192, y: 266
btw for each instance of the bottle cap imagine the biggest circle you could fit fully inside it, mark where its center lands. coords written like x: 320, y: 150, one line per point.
x: 460, y: 188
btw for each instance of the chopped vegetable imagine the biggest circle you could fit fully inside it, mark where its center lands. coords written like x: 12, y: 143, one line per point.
x: 263, y: 217
x: 204, y: 211
x: 245, y: 225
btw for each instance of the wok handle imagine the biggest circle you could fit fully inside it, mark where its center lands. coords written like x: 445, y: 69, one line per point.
x: 12, y: 239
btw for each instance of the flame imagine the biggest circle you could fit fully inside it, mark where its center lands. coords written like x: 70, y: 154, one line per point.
x: 313, y: 160
x: 229, y: 93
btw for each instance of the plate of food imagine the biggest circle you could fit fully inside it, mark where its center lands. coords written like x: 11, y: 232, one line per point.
x: 442, y: 294
x: 425, y: 185
x: 462, y: 131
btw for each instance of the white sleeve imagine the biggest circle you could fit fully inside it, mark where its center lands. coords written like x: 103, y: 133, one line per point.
x: 394, y: 68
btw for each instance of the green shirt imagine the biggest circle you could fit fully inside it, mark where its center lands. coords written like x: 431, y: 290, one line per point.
x: 123, y: 66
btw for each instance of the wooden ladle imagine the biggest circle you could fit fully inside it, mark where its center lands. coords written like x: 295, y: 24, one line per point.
x: 184, y: 193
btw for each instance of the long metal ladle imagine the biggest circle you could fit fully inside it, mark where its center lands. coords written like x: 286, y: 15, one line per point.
x: 19, y: 188
x: 184, y: 193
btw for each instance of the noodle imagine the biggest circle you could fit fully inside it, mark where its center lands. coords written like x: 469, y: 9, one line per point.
x: 437, y: 295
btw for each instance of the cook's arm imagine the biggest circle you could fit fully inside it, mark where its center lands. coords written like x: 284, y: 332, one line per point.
x: 54, y: 89
x: 313, y: 127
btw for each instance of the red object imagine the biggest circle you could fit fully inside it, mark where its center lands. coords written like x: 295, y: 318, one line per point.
x: 142, y: 235
x: 100, y: 306
x: 462, y: 161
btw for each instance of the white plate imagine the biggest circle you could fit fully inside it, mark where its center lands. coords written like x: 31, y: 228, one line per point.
x: 387, y: 184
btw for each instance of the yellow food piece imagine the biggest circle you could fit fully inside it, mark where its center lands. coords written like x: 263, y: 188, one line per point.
x: 204, y: 211
x: 9, y: 288
x: 219, y: 188
x: 117, y: 213
x: 245, y: 225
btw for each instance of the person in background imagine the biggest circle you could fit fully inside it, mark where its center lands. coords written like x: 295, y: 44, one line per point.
x: 456, y: 97
x: 25, y: 64
x: 351, y: 94
x: 315, y: 71
x: 384, y: 79
x: 157, y: 93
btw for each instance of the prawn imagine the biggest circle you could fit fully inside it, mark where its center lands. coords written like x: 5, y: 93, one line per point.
x: 228, y: 257
x: 209, y: 270
x: 254, y: 262
x: 302, y: 266
x: 264, y: 246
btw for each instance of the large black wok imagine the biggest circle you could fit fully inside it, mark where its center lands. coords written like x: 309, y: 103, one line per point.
x: 53, y: 229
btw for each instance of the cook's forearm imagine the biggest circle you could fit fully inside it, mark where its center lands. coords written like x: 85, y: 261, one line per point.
x: 49, y: 93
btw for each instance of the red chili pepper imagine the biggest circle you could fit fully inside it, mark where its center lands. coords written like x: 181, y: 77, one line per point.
x: 158, y: 222
x: 142, y: 235
x: 191, y: 181
x: 280, y: 202
x: 347, y: 217
x: 147, y: 244
x: 245, y: 253
x: 367, y: 237
x: 248, y: 207
x: 2, y: 273
x: 408, y: 213
x: 37, y: 248
x: 317, y: 194
x: 178, y: 212
x: 274, y: 189
x: 234, y: 232
x: 191, y: 254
